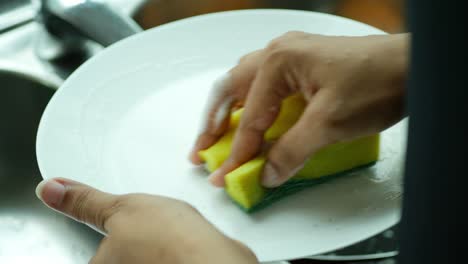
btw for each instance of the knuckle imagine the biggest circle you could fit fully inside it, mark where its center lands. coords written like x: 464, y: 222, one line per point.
x: 279, y: 58
x: 81, y: 209
x: 140, y: 201
x: 249, y: 56
x: 284, y: 39
x: 80, y: 205
x: 116, y: 205
x: 274, y: 60
x: 245, y: 58
x: 274, y: 44
x: 277, y: 43
x: 120, y: 209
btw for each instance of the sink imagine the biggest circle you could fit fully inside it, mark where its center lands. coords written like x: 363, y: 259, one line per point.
x: 28, y: 230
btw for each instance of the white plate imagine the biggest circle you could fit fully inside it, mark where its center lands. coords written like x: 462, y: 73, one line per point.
x: 125, y: 121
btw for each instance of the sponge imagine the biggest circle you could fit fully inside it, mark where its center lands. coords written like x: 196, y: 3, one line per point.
x: 243, y: 184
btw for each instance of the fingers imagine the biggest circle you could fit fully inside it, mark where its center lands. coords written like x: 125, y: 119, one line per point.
x: 261, y: 109
x: 79, y: 201
x: 227, y: 91
x: 288, y: 155
x: 216, y: 116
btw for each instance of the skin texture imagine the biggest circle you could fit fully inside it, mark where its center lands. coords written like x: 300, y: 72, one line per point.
x: 143, y: 228
x: 354, y: 86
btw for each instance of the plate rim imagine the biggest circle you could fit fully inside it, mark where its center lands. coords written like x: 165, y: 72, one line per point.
x: 77, y: 73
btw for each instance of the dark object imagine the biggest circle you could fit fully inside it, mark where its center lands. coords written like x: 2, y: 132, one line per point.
x: 381, y: 246
x: 435, y: 182
x: 70, y: 24
x: 12, y: 4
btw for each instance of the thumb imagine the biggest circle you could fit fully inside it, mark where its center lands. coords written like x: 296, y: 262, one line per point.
x: 288, y: 155
x: 78, y: 201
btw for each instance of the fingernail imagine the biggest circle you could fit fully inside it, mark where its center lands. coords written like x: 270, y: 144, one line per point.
x: 194, y: 158
x: 270, y: 176
x: 214, y: 178
x: 51, y: 192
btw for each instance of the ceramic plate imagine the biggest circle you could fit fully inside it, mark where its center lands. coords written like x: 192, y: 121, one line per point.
x: 126, y: 120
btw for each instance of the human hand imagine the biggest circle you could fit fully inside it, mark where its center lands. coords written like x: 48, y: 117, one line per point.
x: 143, y: 228
x: 354, y: 86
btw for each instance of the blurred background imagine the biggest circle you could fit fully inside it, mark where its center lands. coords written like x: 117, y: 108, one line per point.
x: 387, y: 15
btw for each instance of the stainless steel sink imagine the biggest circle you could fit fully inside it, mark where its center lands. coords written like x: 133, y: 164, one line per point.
x: 30, y: 232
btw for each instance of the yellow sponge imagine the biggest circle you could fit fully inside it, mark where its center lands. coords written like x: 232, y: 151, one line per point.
x: 244, y: 184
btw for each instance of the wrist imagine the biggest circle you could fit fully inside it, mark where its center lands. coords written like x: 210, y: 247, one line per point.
x: 392, y: 53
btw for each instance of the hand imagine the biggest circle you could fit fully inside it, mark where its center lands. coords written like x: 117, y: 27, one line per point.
x: 143, y: 228
x: 354, y: 86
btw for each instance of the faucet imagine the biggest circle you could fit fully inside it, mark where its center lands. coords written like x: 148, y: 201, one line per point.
x: 69, y: 25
